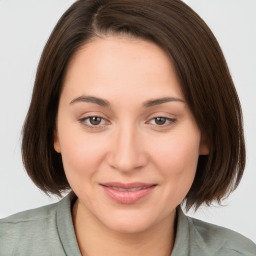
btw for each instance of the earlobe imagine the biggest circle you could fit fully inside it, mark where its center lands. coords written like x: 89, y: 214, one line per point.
x: 56, y: 143
x: 204, y: 146
x: 204, y: 150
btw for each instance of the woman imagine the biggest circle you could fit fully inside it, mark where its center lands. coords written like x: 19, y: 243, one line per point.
x: 135, y: 111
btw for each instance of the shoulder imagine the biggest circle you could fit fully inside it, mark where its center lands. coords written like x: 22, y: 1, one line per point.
x: 221, y: 240
x: 40, y: 213
x: 26, y: 227
x: 26, y: 219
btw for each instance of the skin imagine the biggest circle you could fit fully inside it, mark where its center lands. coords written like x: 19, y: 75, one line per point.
x: 128, y: 145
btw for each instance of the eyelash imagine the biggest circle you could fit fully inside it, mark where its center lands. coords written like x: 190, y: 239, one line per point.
x: 91, y: 126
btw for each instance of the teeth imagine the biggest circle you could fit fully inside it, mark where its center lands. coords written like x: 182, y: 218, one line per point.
x: 128, y: 189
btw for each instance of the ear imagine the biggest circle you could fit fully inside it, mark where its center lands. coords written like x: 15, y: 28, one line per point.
x: 56, y: 143
x: 204, y: 148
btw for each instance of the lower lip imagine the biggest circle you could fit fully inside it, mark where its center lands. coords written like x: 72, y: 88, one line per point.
x: 127, y: 197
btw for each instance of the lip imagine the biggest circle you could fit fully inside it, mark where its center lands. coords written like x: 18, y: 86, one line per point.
x: 127, y: 193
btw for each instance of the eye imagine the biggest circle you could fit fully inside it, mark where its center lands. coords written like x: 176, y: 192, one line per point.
x: 162, y: 121
x: 93, y: 121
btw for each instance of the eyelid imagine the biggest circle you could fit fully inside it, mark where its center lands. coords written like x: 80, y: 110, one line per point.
x: 90, y: 126
x: 169, y: 121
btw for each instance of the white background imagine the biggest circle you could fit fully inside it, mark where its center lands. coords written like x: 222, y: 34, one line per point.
x: 24, y: 28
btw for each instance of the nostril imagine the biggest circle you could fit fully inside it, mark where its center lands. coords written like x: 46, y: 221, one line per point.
x: 127, y: 163
x: 127, y: 152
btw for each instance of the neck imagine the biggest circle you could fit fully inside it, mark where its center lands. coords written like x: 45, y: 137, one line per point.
x: 96, y: 239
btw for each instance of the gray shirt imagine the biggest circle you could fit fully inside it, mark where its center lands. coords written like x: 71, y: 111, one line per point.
x: 49, y: 230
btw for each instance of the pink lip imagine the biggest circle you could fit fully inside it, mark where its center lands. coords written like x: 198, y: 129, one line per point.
x: 127, y: 193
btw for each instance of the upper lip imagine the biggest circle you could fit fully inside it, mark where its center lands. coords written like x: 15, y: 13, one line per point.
x: 127, y: 185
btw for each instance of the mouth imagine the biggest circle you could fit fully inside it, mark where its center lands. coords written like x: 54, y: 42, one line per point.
x: 127, y: 193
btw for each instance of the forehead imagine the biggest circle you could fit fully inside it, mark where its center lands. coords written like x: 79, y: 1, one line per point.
x: 120, y: 64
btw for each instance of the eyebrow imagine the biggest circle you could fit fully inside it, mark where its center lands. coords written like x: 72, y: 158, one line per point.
x: 105, y: 103
x: 91, y: 99
x: 159, y: 101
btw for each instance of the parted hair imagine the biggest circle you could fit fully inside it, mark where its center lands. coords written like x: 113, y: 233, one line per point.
x: 199, y: 63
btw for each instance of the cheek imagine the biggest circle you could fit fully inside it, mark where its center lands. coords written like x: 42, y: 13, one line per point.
x: 177, y: 153
x: 81, y: 153
x: 176, y: 157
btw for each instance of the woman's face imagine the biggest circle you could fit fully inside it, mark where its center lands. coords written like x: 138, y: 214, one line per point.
x: 128, y: 140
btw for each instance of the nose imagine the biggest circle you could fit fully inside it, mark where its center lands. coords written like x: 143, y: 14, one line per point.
x: 127, y: 152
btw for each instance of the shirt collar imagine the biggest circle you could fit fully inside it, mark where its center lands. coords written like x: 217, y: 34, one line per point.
x: 182, y: 238
x: 65, y: 225
x: 68, y: 238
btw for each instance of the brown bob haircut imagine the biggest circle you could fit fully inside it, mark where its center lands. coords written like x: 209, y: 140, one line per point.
x: 200, y: 66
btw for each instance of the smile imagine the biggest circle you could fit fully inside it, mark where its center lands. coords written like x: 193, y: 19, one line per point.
x: 128, y: 193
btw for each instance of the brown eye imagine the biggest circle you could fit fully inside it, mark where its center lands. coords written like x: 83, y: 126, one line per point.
x: 95, y: 120
x: 160, y: 120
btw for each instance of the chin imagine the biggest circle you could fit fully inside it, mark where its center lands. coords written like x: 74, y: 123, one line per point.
x: 128, y: 227
x: 129, y: 223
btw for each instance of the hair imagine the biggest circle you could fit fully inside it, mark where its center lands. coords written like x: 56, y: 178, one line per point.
x: 200, y: 66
